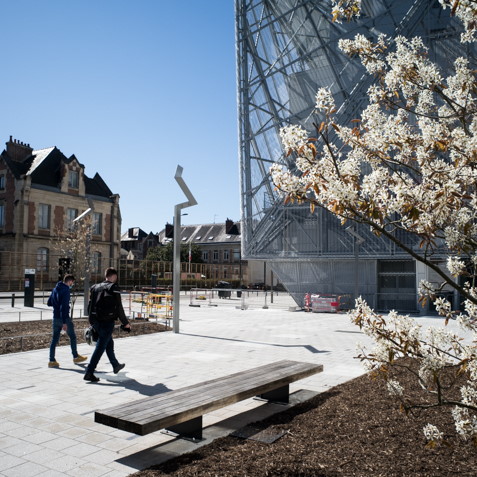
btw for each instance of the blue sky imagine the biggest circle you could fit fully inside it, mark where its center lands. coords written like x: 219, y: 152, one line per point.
x: 132, y: 88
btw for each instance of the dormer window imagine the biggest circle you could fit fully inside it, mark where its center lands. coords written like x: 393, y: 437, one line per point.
x: 73, y: 180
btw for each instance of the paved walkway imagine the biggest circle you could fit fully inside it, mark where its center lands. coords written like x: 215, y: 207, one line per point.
x: 47, y: 415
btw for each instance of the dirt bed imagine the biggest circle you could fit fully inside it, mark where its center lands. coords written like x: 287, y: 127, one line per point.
x: 29, y: 335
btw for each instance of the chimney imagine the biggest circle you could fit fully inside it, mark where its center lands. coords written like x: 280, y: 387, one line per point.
x: 169, y: 231
x: 228, y: 226
x: 17, y: 151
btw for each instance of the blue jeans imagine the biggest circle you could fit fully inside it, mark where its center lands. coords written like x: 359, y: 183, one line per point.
x: 105, y: 343
x: 57, y: 326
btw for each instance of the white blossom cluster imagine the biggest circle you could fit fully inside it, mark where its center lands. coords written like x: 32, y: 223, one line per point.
x: 466, y: 11
x: 345, y: 8
x: 432, y: 433
x: 397, y: 336
x: 324, y: 100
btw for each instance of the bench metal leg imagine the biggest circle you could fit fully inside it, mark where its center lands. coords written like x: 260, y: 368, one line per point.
x: 191, y: 429
x: 281, y: 395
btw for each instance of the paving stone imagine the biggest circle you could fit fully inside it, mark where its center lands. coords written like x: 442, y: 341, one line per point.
x: 27, y: 469
x: 8, y: 461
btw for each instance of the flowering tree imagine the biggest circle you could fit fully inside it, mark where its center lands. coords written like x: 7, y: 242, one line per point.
x: 408, y: 163
x: 72, y: 245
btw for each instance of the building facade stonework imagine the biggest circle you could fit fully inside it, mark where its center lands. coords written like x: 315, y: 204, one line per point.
x: 41, y: 193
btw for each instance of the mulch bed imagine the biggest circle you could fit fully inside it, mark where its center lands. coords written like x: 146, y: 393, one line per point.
x: 29, y: 335
x: 353, y: 429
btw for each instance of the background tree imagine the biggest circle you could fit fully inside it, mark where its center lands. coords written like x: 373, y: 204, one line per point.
x: 164, y: 253
x: 71, y: 246
x: 408, y: 163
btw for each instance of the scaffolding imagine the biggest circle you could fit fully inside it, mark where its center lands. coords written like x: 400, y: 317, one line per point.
x: 158, y: 306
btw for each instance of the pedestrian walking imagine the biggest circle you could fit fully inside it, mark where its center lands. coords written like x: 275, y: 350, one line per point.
x: 59, y: 299
x: 104, y: 308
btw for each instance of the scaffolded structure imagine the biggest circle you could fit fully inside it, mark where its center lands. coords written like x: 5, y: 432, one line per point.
x: 286, y: 50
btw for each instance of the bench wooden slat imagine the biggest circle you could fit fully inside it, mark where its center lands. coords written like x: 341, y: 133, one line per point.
x: 128, y: 408
x: 244, y: 379
x: 222, y: 393
x: 174, y: 407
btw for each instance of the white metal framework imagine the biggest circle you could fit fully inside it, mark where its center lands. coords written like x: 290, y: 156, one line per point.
x: 286, y: 50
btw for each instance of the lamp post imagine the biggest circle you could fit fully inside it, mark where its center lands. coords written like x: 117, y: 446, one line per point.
x: 176, y: 278
x: 357, y: 241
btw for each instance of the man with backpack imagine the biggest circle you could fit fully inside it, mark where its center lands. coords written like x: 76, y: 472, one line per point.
x: 104, y: 308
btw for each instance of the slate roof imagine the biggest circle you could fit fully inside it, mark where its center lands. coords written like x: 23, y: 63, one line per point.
x: 44, y: 168
x: 206, y: 233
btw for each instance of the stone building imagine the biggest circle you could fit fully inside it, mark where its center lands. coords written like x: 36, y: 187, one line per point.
x: 220, y: 245
x: 135, y: 243
x: 41, y: 193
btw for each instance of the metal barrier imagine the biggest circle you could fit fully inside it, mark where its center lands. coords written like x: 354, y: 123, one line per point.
x: 240, y: 298
x: 146, y: 306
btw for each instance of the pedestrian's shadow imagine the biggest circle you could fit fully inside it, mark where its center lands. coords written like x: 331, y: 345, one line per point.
x: 121, y: 380
x: 129, y: 383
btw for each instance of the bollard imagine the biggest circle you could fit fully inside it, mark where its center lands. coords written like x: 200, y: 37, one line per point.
x: 19, y: 316
x: 13, y: 300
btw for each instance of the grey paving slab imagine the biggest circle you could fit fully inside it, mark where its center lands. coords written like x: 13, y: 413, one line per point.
x: 27, y: 469
x: 47, y: 414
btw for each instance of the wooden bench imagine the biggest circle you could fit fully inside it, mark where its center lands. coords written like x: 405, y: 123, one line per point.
x: 181, y: 411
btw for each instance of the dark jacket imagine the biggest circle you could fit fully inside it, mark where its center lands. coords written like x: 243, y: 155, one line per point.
x: 60, y: 301
x: 113, y: 293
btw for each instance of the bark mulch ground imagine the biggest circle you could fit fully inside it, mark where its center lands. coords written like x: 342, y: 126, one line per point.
x: 29, y: 335
x: 351, y: 430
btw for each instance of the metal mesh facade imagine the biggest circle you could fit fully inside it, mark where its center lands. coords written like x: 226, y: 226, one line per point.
x: 286, y: 50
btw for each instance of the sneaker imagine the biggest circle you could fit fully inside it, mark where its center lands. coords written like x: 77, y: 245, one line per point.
x: 118, y: 368
x: 79, y: 359
x: 53, y: 364
x: 91, y: 377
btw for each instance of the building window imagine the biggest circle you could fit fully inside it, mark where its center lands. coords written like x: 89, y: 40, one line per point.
x: 226, y: 255
x: 205, y: 256
x: 42, y: 259
x: 73, y: 180
x: 216, y: 256
x: 97, y: 223
x: 2, y: 215
x: 225, y: 272
x: 236, y: 255
x: 44, y: 216
x: 71, y: 215
x: 96, y: 262
x: 2, y: 182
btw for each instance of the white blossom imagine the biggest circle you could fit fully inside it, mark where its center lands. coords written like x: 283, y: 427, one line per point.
x: 324, y: 99
x: 432, y: 433
x: 395, y: 388
x: 456, y: 266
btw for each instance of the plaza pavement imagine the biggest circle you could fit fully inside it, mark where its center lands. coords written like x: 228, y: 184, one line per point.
x: 47, y: 423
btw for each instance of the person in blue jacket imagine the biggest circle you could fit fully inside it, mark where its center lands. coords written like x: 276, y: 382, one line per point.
x: 60, y: 301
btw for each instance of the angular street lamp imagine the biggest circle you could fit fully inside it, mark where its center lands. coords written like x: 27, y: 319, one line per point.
x: 176, y: 278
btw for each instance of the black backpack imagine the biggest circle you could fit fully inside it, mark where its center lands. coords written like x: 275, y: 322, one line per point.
x: 103, y: 303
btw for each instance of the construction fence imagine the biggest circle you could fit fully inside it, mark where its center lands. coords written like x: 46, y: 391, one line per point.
x: 133, y: 274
